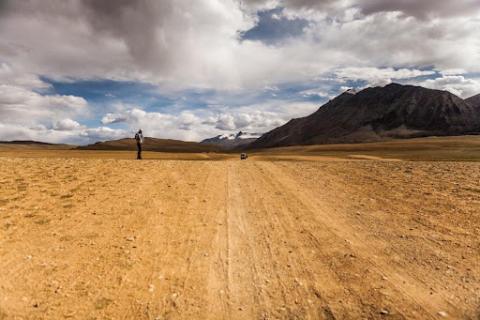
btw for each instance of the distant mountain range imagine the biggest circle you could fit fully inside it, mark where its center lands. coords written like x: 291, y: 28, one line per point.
x: 380, y: 113
x: 30, y: 144
x: 373, y: 114
x: 152, y: 144
x: 233, y: 140
x: 27, y: 142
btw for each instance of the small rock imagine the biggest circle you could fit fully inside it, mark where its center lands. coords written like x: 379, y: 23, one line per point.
x: 443, y: 314
x: 384, y: 312
x: 151, y: 288
x: 130, y: 238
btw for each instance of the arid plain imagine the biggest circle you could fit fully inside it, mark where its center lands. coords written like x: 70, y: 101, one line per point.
x: 317, y: 233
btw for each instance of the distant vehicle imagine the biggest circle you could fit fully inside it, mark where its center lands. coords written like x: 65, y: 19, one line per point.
x: 243, y: 156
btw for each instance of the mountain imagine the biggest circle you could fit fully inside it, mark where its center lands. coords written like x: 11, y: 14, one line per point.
x: 151, y: 144
x: 233, y: 140
x: 379, y: 113
x: 30, y: 144
x: 474, y: 101
x: 27, y: 142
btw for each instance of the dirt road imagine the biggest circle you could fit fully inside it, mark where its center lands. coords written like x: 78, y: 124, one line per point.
x: 118, y: 239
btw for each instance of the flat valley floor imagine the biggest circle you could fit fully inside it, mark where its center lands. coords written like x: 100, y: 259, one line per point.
x: 86, y: 238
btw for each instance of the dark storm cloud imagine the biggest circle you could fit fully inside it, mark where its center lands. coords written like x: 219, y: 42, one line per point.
x: 135, y: 22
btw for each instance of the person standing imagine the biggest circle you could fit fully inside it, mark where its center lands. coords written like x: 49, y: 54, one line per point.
x: 139, y: 139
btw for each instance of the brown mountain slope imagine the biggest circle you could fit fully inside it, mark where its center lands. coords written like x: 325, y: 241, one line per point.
x: 373, y: 114
x: 151, y: 144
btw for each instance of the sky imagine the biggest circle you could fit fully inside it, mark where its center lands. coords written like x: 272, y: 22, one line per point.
x: 81, y: 71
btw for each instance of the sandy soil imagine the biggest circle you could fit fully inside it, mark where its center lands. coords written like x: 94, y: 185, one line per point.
x: 119, y: 239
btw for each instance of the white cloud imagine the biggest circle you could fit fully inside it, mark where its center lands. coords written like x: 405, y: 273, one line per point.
x: 225, y: 122
x: 458, y: 85
x: 379, y: 76
x: 22, y: 106
x: 453, y: 72
x: 79, y: 135
x: 195, y: 125
x: 8, y: 75
x: 314, y: 92
x: 67, y: 125
x: 102, y: 133
x: 111, y: 118
x: 28, y: 115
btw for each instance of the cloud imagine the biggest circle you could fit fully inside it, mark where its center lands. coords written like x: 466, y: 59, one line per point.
x: 28, y: 115
x: 225, y: 122
x: 80, y: 135
x: 195, y: 125
x: 456, y: 84
x: 420, y: 9
x: 157, y: 124
x: 379, y: 76
x: 186, y: 44
x: 314, y: 92
x: 8, y: 75
x: 23, y: 106
x: 111, y: 118
x: 101, y: 134
x: 67, y: 125
x: 258, y: 117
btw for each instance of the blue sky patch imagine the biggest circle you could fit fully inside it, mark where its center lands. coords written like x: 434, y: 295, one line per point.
x: 273, y: 27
